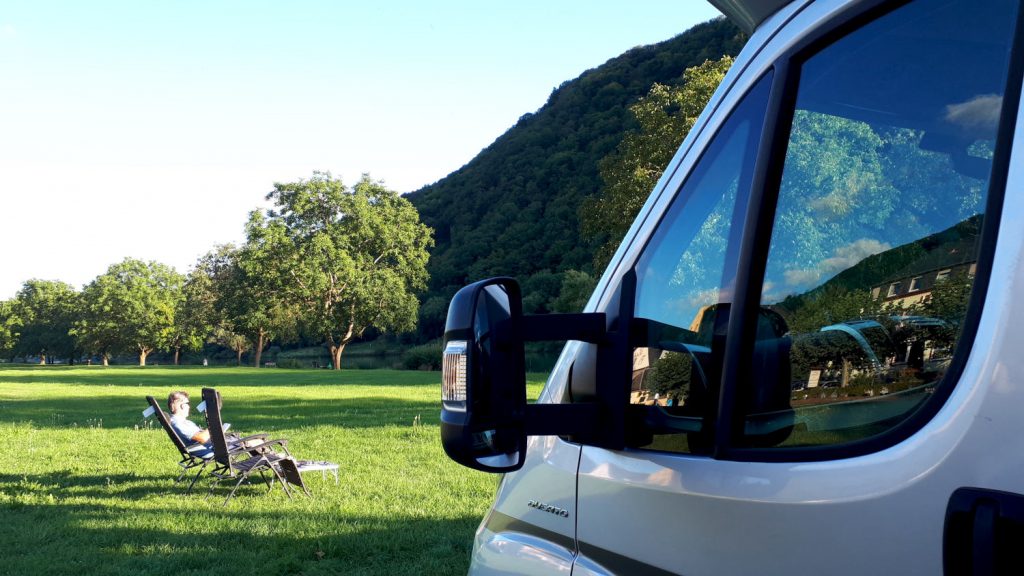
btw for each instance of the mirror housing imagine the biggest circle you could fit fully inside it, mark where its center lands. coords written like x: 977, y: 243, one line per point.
x: 483, y: 391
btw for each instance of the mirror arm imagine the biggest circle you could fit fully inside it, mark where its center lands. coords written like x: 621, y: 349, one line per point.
x: 561, y: 419
x: 585, y: 327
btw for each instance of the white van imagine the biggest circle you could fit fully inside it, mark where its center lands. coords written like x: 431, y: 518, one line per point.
x: 807, y: 356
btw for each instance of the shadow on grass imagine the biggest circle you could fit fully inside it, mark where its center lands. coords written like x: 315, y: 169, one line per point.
x: 97, y: 539
x: 130, y: 487
x: 64, y: 484
x: 248, y: 415
x: 173, y: 377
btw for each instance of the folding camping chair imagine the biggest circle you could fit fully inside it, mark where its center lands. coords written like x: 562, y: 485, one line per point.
x: 241, y: 463
x: 189, y: 460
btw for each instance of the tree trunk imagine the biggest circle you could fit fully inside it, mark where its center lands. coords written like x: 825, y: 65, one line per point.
x: 42, y: 359
x: 106, y: 359
x: 336, y: 355
x: 238, y: 361
x: 259, y: 349
x: 177, y: 354
x: 143, y: 352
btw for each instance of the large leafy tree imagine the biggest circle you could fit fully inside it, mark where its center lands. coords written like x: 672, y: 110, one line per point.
x: 238, y: 300
x: 351, y: 258
x: 46, y: 310
x: 254, y: 298
x: 664, y: 116
x: 132, y: 307
x: 10, y: 328
x: 195, y: 314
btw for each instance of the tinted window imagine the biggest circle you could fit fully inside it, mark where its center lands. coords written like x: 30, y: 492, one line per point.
x: 684, y: 288
x: 877, y: 231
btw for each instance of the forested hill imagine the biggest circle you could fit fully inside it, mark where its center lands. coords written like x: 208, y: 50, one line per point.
x: 513, y: 209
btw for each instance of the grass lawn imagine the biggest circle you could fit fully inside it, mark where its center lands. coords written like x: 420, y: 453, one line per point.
x: 87, y: 484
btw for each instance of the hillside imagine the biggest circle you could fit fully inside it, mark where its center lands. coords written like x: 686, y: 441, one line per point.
x: 513, y: 209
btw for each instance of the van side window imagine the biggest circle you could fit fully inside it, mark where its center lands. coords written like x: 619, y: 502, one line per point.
x: 877, y: 228
x: 685, y: 282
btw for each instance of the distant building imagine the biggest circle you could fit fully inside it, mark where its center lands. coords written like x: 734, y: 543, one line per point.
x: 912, y: 284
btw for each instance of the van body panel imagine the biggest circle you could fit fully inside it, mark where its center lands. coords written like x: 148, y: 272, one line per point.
x: 644, y: 511
x: 534, y: 513
x: 883, y: 512
x: 507, y: 552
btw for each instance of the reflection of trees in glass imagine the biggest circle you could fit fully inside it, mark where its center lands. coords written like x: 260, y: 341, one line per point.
x: 831, y: 305
x: 823, y: 350
x: 669, y: 377
x: 699, y: 272
x: 850, y: 191
x: 947, y: 301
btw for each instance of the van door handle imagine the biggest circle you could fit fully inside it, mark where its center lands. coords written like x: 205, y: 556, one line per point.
x: 983, y: 533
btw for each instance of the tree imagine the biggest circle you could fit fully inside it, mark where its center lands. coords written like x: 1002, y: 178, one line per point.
x: 10, y: 328
x: 664, y: 117
x: 233, y: 340
x: 46, y: 310
x: 575, y: 293
x: 194, y: 314
x: 255, y: 300
x: 350, y: 258
x: 132, y: 307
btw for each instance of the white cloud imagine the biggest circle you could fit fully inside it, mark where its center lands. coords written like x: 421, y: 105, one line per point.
x: 844, y: 257
x: 979, y: 115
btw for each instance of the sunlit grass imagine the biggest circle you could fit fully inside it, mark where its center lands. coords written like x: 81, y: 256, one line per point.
x: 87, y: 485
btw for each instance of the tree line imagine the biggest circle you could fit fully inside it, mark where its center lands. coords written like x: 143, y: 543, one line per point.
x: 514, y: 209
x: 301, y: 273
x: 328, y: 261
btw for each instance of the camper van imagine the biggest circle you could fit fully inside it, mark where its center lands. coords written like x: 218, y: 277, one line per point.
x: 806, y: 356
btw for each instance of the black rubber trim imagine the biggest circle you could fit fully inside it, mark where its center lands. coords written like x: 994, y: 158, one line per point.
x: 500, y: 523
x: 757, y: 235
x: 619, y: 564
x: 844, y: 23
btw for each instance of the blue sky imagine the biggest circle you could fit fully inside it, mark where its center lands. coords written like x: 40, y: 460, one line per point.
x: 150, y: 129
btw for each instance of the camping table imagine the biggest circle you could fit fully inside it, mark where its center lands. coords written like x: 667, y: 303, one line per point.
x: 319, y: 465
x: 292, y: 471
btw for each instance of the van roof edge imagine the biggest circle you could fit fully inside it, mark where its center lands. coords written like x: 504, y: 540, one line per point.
x: 748, y: 14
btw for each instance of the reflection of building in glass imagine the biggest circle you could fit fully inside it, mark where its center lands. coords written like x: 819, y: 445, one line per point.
x: 926, y: 263
x: 913, y: 285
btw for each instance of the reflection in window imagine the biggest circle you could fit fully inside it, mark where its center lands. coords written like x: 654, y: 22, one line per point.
x: 684, y: 289
x: 878, y: 224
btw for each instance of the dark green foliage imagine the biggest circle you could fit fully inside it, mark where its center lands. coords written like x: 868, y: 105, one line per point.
x: 45, y: 310
x: 423, y: 357
x: 10, y: 326
x: 513, y: 209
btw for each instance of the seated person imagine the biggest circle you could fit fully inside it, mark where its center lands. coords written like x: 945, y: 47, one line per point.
x: 190, y: 433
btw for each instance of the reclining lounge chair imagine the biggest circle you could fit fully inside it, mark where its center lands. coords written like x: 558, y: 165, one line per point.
x: 189, y: 460
x: 241, y: 463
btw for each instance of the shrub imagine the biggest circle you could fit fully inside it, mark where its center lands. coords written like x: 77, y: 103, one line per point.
x: 423, y: 357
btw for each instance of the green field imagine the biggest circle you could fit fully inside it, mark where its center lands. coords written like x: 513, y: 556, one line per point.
x: 87, y: 484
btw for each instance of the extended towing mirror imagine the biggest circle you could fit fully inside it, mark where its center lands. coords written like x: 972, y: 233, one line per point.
x: 483, y: 391
x: 485, y: 419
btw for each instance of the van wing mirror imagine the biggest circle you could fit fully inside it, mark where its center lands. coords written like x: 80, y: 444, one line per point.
x: 483, y: 391
x: 484, y: 415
